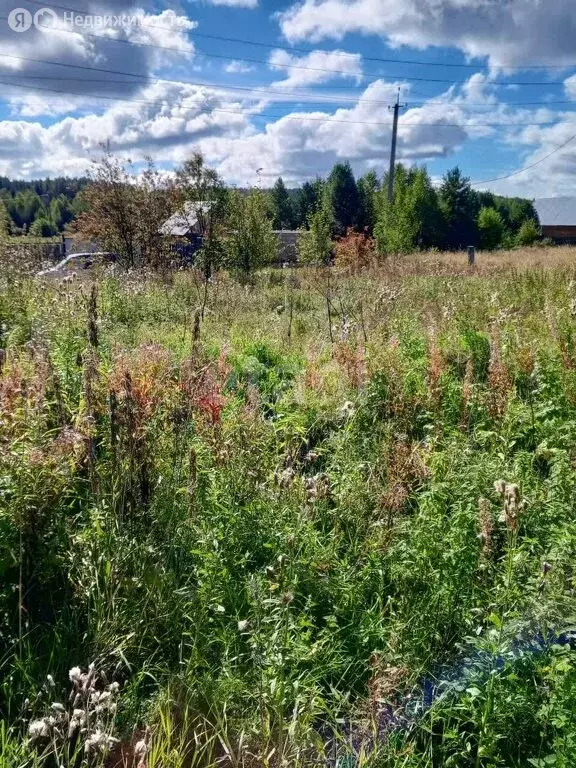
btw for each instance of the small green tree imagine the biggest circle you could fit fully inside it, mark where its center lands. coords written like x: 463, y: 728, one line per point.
x: 396, y: 229
x: 43, y: 227
x: 528, y: 233
x: 315, y: 244
x: 491, y: 228
x: 252, y: 243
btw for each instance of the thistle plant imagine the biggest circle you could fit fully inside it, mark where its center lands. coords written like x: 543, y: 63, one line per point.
x: 81, y: 732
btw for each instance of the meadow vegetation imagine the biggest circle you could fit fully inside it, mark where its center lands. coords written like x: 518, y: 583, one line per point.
x: 331, y: 522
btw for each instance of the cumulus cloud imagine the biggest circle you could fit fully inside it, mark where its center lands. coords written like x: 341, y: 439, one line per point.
x: 315, y: 67
x: 63, y: 57
x: 301, y: 145
x: 169, y: 122
x: 508, y: 32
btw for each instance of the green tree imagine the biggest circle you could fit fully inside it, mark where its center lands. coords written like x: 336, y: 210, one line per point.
x: 396, y: 229
x: 368, y: 187
x: 252, y: 243
x: 43, y: 227
x: 5, y: 221
x: 460, y: 206
x: 343, y: 197
x: 315, y: 244
x: 201, y: 192
x: 491, y: 228
x: 528, y: 233
x: 425, y: 209
x: 307, y: 201
x: 282, y: 206
x: 60, y: 212
x: 26, y: 207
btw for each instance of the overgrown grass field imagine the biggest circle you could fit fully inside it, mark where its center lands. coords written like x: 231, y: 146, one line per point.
x: 332, y: 522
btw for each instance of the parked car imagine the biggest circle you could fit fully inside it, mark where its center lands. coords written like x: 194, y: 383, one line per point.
x: 76, y: 263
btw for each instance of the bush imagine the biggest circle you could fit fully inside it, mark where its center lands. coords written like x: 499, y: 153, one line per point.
x: 491, y: 228
x: 528, y: 233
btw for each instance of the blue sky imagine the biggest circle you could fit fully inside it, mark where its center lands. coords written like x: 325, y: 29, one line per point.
x: 489, y: 85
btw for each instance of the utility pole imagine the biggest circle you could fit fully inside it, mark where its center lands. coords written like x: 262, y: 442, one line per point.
x: 392, y: 172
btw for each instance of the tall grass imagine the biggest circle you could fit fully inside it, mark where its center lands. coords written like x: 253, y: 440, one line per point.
x: 283, y: 543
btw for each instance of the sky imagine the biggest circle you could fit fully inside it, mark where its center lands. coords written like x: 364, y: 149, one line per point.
x: 268, y: 88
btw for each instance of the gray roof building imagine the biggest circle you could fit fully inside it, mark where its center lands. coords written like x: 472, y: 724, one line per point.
x: 186, y: 221
x: 556, y: 211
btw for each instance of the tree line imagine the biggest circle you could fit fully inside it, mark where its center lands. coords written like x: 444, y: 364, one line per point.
x: 420, y: 216
x: 42, y: 208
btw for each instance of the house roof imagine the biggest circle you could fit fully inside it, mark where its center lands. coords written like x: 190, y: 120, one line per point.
x: 186, y: 219
x: 556, y: 211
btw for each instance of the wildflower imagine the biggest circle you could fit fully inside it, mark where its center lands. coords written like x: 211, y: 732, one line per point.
x: 486, y: 525
x: 513, y: 504
x: 242, y: 625
x: 50, y: 681
x: 74, y: 674
x: 38, y: 729
x: 500, y: 487
x: 99, y: 741
x: 270, y: 572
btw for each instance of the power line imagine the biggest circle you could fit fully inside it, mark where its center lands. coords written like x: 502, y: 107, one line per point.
x: 527, y: 168
x: 345, y: 73
x: 302, y: 95
x: 290, y: 49
x: 252, y: 115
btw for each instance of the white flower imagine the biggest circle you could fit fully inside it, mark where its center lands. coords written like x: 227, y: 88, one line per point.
x: 38, y: 729
x: 50, y: 681
x: 114, y: 687
x: 75, y: 674
x: 97, y: 740
x: 242, y: 625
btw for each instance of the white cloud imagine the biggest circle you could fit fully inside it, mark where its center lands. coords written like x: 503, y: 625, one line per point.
x: 83, y: 54
x: 508, y: 32
x: 235, y: 3
x: 238, y: 67
x: 299, y: 149
x: 570, y: 87
x: 315, y: 67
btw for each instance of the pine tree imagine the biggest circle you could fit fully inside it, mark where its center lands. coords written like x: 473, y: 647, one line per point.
x: 368, y: 187
x: 343, y: 197
x: 307, y: 202
x: 460, y: 206
x: 282, y: 207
